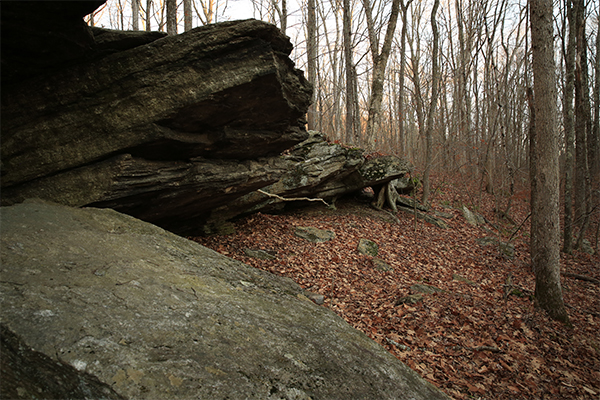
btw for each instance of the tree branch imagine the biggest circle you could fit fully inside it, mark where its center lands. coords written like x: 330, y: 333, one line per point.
x: 293, y: 198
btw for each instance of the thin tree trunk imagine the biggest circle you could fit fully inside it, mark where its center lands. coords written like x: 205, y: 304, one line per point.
x: 353, y: 134
x: 580, y: 122
x: 172, y: 17
x: 569, y: 130
x: 545, y: 223
x: 135, y: 15
x: 380, y: 60
x: 311, y: 53
x: 435, y: 78
x: 148, y: 15
x: 187, y: 15
x: 595, y: 137
x: 401, y: 118
x: 584, y: 111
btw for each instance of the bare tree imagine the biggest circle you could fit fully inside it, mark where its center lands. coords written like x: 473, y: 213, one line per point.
x: 401, y: 75
x: 148, y: 15
x: 569, y: 128
x: 187, y: 15
x: 595, y: 142
x: 545, y: 224
x: 435, y: 78
x: 352, y: 113
x: 379, y: 59
x: 311, y: 54
x: 135, y: 15
x: 207, y: 12
x: 171, y: 17
x: 282, y: 12
x: 582, y: 205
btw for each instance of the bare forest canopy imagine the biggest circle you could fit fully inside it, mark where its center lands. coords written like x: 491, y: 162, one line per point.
x: 480, y: 119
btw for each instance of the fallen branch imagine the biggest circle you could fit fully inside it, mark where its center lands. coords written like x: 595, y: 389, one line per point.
x: 519, y: 228
x: 582, y: 277
x: 292, y: 199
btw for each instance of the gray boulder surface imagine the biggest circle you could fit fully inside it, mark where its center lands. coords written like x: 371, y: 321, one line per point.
x: 152, y: 315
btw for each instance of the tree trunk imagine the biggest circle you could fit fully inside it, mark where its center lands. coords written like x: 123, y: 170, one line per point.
x: 595, y: 141
x: 352, y: 118
x: 380, y: 60
x: 187, y: 15
x: 569, y: 130
x: 583, y: 111
x: 435, y: 78
x: 311, y: 54
x: 135, y: 15
x: 545, y: 224
x: 148, y: 14
x: 401, y: 118
x: 463, y: 103
x: 580, y: 122
x: 172, y: 17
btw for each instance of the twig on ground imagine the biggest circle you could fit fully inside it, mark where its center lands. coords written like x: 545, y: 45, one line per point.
x: 582, y: 277
x: 293, y: 198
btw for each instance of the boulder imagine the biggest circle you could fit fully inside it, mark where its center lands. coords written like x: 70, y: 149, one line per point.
x: 224, y: 91
x: 138, y: 312
x: 471, y: 217
x: 142, y: 125
x: 317, y: 169
x: 181, y: 131
x: 313, y: 234
x: 367, y: 247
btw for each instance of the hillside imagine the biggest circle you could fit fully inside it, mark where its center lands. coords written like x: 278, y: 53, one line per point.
x: 480, y: 336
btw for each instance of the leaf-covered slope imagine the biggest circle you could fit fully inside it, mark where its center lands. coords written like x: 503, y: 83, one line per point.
x: 481, y: 336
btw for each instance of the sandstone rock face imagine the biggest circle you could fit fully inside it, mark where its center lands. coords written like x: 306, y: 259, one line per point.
x: 149, y: 314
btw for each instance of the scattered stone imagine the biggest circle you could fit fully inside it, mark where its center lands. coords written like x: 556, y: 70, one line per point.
x: 506, y: 249
x: 470, y: 216
x: 368, y: 247
x: 260, y: 254
x: 410, y: 203
x: 381, y: 265
x: 426, y: 289
x: 313, y: 234
x: 445, y: 215
x: 459, y: 278
x: 315, y: 297
x: 410, y: 299
x: 398, y: 345
x: 428, y: 218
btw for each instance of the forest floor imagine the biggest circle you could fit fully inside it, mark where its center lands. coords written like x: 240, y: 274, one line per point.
x: 479, y: 338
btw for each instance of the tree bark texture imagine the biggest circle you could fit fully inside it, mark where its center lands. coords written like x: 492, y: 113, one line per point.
x: 545, y: 224
x: 580, y: 116
x: 311, y: 54
x: 568, y: 119
x: 135, y: 15
x: 172, y: 17
x: 435, y: 78
x: 380, y: 59
x: 352, y: 116
x: 187, y: 15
